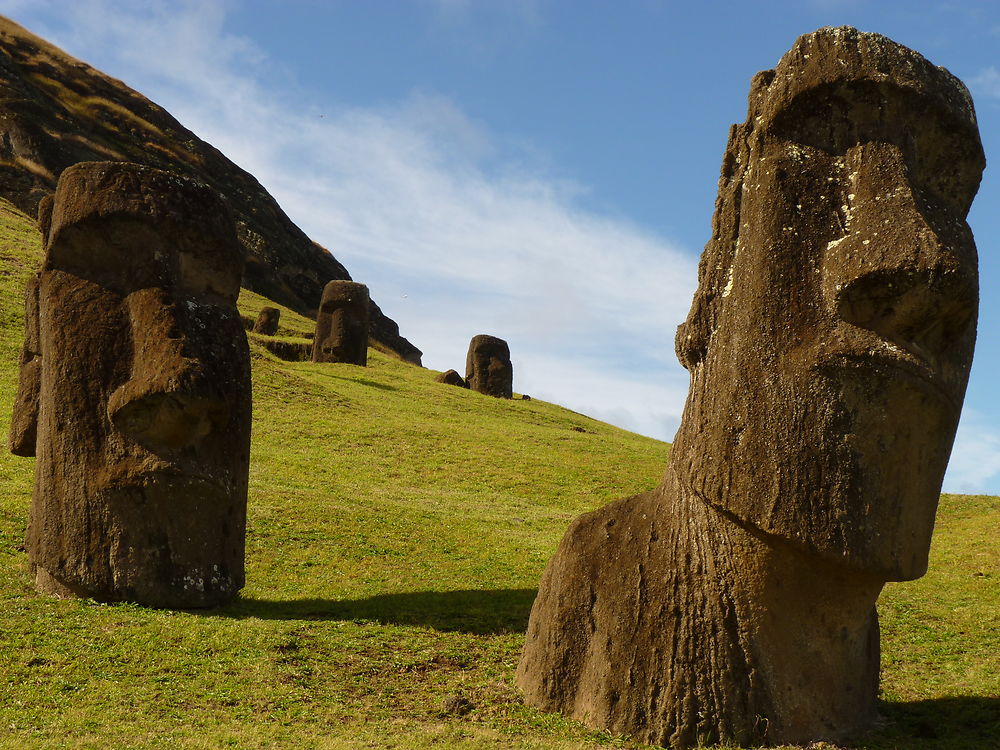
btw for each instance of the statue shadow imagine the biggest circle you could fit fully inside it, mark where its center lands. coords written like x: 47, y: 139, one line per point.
x: 476, y: 612
x: 364, y: 381
x: 967, y: 722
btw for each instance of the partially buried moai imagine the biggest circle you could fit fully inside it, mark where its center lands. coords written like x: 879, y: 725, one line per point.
x: 487, y: 366
x: 267, y: 321
x: 829, y: 346
x: 135, y: 391
x: 342, y: 324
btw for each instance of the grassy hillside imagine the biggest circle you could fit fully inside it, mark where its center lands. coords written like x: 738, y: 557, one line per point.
x: 397, y: 530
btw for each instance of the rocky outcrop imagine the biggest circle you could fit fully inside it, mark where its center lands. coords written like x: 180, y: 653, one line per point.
x: 450, y: 377
x: 829, y: 344
x: 56, y: 111
x: 135, y: 392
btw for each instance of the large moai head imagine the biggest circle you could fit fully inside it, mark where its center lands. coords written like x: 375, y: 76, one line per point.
x: 830, y: 339
x: 487, y: 366
x: 342, y: 324
x: 141, y: 368
x: 267, y: 321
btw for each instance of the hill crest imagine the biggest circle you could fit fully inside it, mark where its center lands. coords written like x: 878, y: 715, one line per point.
x: 56, y: 111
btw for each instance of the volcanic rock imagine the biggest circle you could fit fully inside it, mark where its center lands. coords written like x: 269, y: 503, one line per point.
x: 140, y: 364
x: 267, y: 321
x: 450, y: 377
x: 487, y: 366
x: 829, y: 344
x: 56, y: 111
x: 342, y: 324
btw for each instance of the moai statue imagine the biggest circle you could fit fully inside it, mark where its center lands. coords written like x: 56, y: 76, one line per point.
x: 450, y: 377
x: 487, y: 366
x: 342, y: 324
x: 44, y: 216
x: 829, y: 346
x: 135, y: 392
x: 267, y: 321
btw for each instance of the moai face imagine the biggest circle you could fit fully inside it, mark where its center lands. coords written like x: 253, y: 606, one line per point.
x: 143, y: 417
x: 488, y: 368
x: 831, y: 338
x: 342, y: 324
x: 267, y: 321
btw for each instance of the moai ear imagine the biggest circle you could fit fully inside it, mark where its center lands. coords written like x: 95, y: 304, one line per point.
x: 24, y: 420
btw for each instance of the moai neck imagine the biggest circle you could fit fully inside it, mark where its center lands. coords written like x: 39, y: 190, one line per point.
x: 809, y: 627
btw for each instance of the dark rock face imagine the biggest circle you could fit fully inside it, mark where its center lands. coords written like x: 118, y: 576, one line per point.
x: 342, y: 324
x: 450, y: 377
x: 829, y: 345
x: 487, y: 366
x: 56, y: 111
x: 267, y: 321
x: 142, y: 373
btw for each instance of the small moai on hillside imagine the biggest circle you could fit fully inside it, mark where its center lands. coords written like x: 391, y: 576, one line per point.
x: 134, y: 392
x: 342, y: 324
x: 267, y: 321
x: 829, y: 344
x: 44, y: 216
x: 451, y: 377
x: 487, y: 367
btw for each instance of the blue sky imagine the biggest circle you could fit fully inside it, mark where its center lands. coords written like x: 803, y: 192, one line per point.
x: 541, y: 170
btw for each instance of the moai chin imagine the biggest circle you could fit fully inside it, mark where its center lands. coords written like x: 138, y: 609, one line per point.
x: 487, y: 366
x: 135, y: 392
x: 267, y: 321
x: 342, y: 324
x: 829, y: 345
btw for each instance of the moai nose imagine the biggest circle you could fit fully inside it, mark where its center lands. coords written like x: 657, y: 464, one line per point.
x: 904, y: 269
x: 167, y: 403
x: 171, y: 421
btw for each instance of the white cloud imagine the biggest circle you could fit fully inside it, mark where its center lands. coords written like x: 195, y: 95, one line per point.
x: 975, y: 460
x: 987, y: 83
x: 455, y: 231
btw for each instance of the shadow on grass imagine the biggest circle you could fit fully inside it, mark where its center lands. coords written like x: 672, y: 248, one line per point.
x: 959, y: 723
x: 477, y: 612
x: 325, y: 373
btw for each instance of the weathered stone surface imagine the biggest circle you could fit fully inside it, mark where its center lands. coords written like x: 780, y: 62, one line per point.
x: 24, y: 417
x: 829, y: 346
x: 56, y: 111
x: 143, y: 372
x: 487, y: 366
x: 342, y: 324
x: 267, y: 321
x: 450, y: 377
x: 45, y: 216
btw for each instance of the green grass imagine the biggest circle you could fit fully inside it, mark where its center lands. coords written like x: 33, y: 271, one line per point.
x: 397, y: 530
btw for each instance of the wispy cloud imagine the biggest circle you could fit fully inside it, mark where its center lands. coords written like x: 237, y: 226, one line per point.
x: 456, y: 231
x: 975, y: 460
x: 986, y: 83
